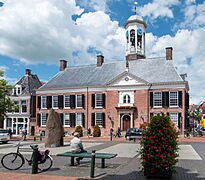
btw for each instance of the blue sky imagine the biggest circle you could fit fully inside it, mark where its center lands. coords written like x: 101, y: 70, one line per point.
x: 36, y: 34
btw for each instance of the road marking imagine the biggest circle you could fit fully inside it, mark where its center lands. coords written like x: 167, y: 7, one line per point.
x: 187, y: 152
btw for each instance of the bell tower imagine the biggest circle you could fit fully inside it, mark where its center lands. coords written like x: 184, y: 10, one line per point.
x: 135, y: 36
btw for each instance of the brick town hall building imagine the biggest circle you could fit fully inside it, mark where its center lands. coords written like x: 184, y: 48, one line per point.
x: 120, y: 94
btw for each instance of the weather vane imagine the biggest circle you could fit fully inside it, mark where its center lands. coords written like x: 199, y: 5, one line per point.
x: 135, y: 6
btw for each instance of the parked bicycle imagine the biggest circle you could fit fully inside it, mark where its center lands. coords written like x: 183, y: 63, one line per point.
x: 187, y: 133
x: 15, y: 160
x: 198, y: 132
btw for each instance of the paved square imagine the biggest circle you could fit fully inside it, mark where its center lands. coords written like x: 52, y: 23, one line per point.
x: 123, y: 150
x: 53, y: 151
x: 187, y: 152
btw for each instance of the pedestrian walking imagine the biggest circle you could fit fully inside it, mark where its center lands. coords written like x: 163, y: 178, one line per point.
x: 111, y: 133
x: 89, y: 132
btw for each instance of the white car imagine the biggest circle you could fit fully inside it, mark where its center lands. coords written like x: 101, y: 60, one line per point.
x: 4, y: 136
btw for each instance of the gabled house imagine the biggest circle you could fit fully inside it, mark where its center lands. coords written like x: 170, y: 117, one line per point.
x: 24, y: 97
x: 118, y: 94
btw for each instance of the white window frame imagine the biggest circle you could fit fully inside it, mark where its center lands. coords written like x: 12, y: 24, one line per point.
x: 14, y: 90
x: 45, y: 103
x: 76, y: 100
x: 174, y: 119
x: 66, y: 97
x: 157, y: 99
x: 173, y: 98
x: 54, y: 102
x: 18, y: 89
x: 97, y: 119
x: 22, y: 108
x: 79, y: 115
x: 43, y: 121
x: 126, y: 99
x: 66, y: 117
x: 98, y: 100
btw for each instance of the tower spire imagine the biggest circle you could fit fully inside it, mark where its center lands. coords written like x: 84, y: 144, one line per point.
x: 135, y: 7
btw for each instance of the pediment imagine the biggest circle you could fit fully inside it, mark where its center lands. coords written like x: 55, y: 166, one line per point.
x: 126, y: 78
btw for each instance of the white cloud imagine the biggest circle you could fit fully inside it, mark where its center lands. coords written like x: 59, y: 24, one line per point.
x: 187, y: 45
x: 194, y: 15
x: 94, y: 4
x: 158, y: 8
x: 37, y: 31
x: 3, y: 68
x: 10, y: 80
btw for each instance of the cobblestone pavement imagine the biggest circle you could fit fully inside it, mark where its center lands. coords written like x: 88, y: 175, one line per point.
x: 126, y: 165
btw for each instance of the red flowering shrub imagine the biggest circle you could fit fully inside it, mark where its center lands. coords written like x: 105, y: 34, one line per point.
x: 159, y: 146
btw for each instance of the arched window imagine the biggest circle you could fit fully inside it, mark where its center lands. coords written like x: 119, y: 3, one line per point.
x: 126, y: 99
x: 132, y: 37
x: 127, y: 36
x: 139, y: 38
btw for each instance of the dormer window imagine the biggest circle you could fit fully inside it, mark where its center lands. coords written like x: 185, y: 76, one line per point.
x: 14, y: 91
x: 17, y: 90
x: 126, y: 99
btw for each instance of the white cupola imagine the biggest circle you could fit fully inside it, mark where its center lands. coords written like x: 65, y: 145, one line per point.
x: 135, y: 37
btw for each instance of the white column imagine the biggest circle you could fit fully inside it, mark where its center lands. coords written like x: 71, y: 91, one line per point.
x: 5, y: 119
x: 119, y: 121
x: 16, y: 125
x: 12, y: 124
x: 131, y: 119
x: 24, y: 122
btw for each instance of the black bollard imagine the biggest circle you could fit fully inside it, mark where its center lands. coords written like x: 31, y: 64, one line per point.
x: 92, y: 171
x: 34, y: 138
x: 111, y: 136
x: 34, y: 159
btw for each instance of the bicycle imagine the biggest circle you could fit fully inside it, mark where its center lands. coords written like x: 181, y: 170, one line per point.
x: 15, y: 160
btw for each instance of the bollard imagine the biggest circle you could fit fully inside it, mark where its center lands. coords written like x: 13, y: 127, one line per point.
x: 40, y: 138
x: 34, y: 159
x: 92, y: 171
x: 111, y: 136
x: 34, y: 138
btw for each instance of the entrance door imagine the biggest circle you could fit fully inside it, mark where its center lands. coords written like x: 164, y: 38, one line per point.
x: 20, y: 129
x: 32, y: 130
x: 126, y: 122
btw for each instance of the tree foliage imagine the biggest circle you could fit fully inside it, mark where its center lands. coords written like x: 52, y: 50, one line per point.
x: 5, y: 103
x: 79, y: 129
x: 96, y: 131
x: 196, y: 115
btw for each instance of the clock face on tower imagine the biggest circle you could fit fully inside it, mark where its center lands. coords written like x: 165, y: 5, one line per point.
x: 139, y: 32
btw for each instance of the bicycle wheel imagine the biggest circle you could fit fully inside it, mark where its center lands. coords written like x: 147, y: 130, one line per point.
x: 45, y: 165
x: 12, y: 161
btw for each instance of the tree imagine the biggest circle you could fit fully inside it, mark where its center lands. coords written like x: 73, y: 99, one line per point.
x: 5, y: 103
x: 196, y: 115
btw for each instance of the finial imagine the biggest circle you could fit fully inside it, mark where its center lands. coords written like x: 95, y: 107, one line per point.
x: 135, y: 7
x: 127, y: 65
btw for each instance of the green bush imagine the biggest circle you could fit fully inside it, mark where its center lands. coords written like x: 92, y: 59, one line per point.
x: 159, y: 146
x: 79, y: 129
x: 96, y: 131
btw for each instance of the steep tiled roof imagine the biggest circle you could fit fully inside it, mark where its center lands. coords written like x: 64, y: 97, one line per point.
x: 29, y: 83
x: 151, y: 70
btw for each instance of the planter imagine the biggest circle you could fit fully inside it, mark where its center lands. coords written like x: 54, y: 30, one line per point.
x: 159, y: 174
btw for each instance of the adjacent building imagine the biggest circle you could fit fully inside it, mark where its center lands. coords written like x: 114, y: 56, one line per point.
x: 24, y: 96
x: 118, y: 94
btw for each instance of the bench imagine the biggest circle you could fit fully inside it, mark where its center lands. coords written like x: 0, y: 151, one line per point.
x: 101, y: 156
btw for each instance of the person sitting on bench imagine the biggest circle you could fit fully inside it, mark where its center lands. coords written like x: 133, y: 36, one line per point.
x: 77, y: 146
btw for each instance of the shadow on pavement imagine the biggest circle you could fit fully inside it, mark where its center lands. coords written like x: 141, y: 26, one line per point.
x: 180, y: 174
